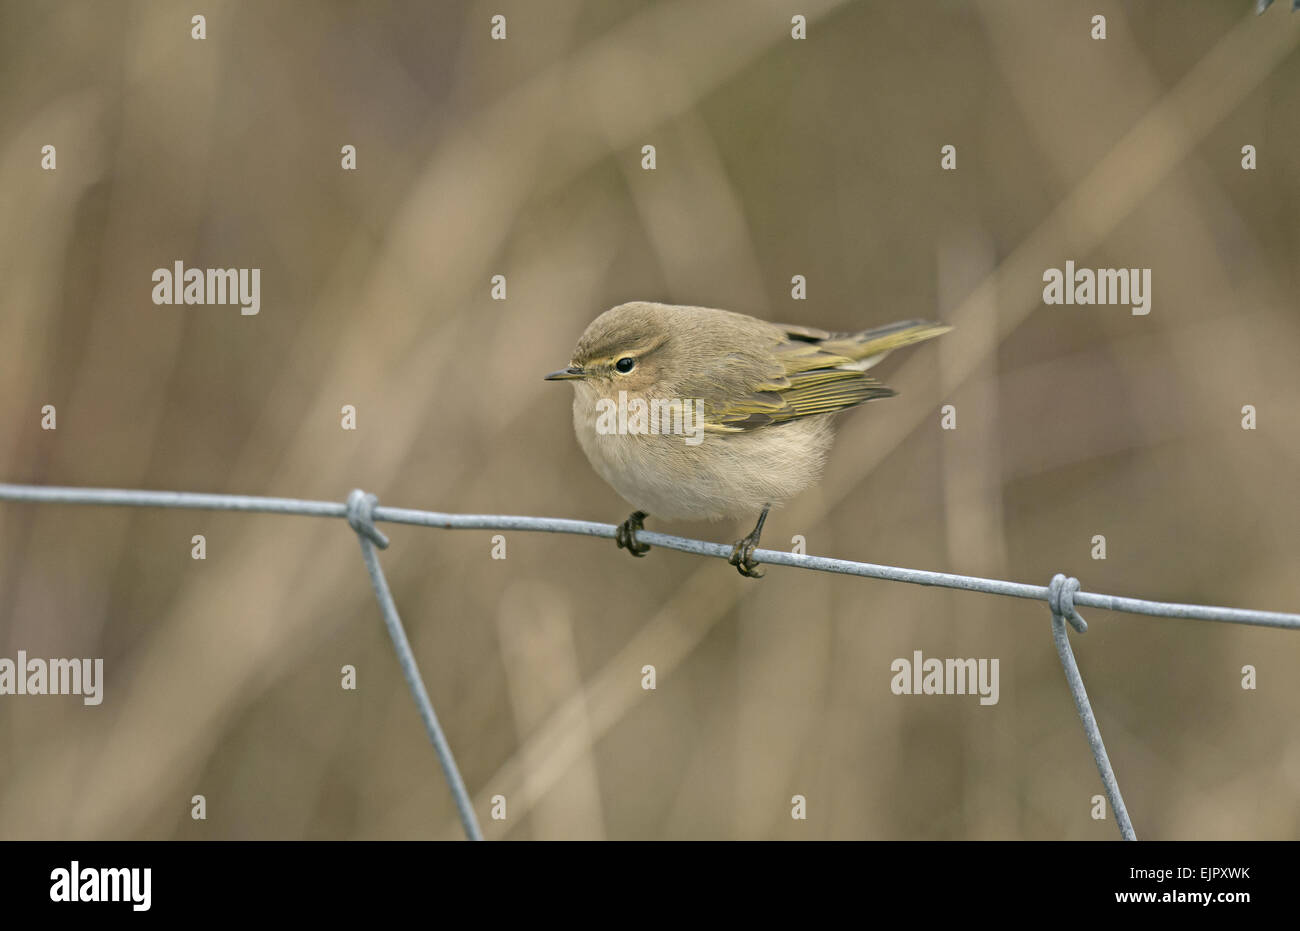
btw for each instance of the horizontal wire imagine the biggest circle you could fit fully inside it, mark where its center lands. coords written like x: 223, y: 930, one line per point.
x: 271, y: 505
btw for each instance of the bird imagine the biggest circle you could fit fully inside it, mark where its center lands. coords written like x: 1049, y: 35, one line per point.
x: 700, y: 413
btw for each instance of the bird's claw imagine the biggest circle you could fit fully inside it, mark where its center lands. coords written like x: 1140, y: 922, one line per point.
x: 742, y: 557
x: 625, y: 536
x: 742, y: 554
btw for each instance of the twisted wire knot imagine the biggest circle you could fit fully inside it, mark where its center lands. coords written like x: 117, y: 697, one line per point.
x: 361, y: 517
x: 1060, y: 598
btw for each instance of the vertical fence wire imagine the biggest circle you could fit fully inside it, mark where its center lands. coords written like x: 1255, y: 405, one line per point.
x: 1061, y: 600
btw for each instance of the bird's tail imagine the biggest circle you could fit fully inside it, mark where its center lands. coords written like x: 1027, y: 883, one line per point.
x: 870, y: 346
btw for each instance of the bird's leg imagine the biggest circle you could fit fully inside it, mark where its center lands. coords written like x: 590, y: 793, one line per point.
x: 742, y: 554
x: 626, y: 535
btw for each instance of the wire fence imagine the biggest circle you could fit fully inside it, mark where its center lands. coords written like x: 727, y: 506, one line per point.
x: 1062, y: 595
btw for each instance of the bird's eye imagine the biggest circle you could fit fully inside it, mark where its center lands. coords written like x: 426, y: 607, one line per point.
x: 625, y: 364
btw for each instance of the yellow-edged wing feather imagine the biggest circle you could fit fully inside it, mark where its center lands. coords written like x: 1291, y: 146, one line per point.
x: 816, y: 372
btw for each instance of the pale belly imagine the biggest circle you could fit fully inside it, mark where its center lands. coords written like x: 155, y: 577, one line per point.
x: 726, y: 475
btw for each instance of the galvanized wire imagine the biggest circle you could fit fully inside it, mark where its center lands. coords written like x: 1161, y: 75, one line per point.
x: 360, y: 514
x: 1060, y: 598
x: 1062, y: 595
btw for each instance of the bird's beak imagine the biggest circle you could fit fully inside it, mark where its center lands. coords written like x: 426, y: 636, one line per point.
x: 573, y: 371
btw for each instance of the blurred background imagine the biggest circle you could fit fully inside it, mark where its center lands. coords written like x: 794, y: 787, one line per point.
x: 522, y: 158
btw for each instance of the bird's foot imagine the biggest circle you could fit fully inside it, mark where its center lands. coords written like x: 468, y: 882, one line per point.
x: 625, y: 537
x: 742, y: 557
x: 742, y: 554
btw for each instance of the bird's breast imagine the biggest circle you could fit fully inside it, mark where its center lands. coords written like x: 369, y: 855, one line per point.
x: 692, y: 473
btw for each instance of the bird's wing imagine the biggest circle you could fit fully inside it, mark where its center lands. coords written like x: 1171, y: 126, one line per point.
x: 812, y: 372
x: 870, y: 346
x: 801, y: 380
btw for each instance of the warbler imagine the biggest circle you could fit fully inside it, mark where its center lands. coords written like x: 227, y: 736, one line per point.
x: 692, y: 412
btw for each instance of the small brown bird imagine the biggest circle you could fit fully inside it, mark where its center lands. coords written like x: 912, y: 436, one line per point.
x: 690, y: 412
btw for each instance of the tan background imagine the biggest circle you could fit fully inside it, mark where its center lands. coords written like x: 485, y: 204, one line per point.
x: 521, y: 158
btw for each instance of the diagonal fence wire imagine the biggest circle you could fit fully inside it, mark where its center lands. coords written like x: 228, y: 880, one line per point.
x: 360, y: 514
x: 1060, y: 598
x: 361, y: 510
